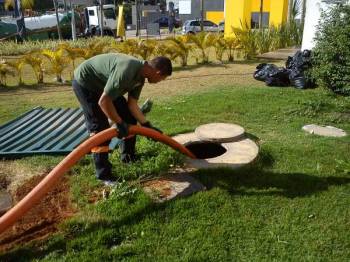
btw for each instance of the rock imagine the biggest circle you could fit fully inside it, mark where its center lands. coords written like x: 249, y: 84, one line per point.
x: 5, y: 202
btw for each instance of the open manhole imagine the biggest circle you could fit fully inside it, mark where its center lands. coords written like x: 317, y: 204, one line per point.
x: 204, y: 150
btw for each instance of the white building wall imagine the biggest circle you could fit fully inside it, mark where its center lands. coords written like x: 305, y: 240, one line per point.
x: 312, y: 16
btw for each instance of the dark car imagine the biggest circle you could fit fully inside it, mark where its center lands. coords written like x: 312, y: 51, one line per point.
x: 164, y: 22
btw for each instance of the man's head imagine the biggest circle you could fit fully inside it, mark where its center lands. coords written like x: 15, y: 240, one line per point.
x: 160, y: 68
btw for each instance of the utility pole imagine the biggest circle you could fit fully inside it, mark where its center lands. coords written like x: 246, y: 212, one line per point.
x: 58, y: 20
x: 138, y: 24
x: 74, y: 32
x: 101, y: 17
x: 202, y: 11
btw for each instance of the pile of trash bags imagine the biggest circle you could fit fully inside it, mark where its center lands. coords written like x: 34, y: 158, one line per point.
x: 292, y: 75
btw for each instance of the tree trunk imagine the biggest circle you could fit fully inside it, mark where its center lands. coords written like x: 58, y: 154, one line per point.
x: 261, y: 14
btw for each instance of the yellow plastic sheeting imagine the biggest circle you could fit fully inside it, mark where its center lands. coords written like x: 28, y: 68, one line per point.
x: 215, y: 16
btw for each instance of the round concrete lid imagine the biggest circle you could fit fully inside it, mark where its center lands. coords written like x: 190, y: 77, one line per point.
x: 238, y: 154
x: 219, y: 132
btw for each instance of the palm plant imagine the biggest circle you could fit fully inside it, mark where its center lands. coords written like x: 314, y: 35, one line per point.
x: 203, y: 41
x: 166, y: 49
x: 128, y: 47
x: 18, y: 65
x: 231, y: 45
x: 4, y: 71
x: 181, y: 47
x: 146, y: 48
x: 25, y: 4
x: 246, y: 41
x: 220, y: 46
x: 93, y: 48
x: 264, y: 40
x: 58, y: 61
x: 37, y: 63
x: 72, y: 53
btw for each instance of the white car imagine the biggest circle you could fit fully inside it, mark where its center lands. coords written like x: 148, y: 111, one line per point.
x: 194, y: 26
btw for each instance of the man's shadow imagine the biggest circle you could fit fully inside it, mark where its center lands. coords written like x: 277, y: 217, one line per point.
x: 254, y: 180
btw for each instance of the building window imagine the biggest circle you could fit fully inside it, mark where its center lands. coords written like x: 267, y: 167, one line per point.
x: 91, y: 13
x: 255, y: 19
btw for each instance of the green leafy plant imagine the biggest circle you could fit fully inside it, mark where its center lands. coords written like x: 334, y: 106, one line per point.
x: 331, y: 56
x: 247, y: 41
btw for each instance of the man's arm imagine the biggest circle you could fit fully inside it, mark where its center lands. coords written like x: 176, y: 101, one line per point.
x: 106, y: 104
x: 135, y: 110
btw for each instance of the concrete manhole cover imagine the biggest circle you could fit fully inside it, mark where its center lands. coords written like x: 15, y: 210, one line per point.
x: 324, y: 130
x: 219, y: 132
x: 167, y: 188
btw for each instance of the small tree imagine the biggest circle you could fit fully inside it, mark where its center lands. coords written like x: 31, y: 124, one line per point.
x: 331, y: 55
x: 203, y: 41
x: 231, y: 45
x: 4, y: 72
x: 58, y: 62
x: 181, y: 47
x: 18, y: 65
x: 36, y: 61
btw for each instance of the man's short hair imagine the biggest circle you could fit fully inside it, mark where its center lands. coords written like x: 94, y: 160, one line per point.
x: 163, y: 64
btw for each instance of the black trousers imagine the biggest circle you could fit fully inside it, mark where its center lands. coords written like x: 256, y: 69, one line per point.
x: 97, y: 121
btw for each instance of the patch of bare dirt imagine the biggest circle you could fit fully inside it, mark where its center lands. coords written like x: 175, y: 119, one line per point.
x: 42, y: 220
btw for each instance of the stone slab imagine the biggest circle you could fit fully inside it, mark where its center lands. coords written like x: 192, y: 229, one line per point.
x: 330, y: 131
x: 219, y: 132
x: 171, y: 187
x: 5, y: 202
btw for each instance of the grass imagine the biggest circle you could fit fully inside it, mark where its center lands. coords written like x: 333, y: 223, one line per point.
x: 292, y: 204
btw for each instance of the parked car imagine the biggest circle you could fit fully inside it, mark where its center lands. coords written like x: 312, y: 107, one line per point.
x: 194, y: 26
x: 164, y: 22
x: 221, y: 26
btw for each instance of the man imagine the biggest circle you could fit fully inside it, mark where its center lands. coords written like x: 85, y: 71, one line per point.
x: 100, y: 84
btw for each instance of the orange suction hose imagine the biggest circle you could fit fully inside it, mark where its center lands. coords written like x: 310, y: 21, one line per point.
x: 51, y: 179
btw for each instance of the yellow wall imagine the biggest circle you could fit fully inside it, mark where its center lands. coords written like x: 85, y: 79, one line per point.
x: 266, y: 6
x: 240, y: 10
x: 279, y: 12
x: 215, y: 16
x: 237, y: 14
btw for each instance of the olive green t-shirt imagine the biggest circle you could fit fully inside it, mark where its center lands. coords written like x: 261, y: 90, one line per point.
x: 115, y: 74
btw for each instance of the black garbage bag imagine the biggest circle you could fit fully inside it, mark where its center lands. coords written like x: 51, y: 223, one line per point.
x: 297, y: 66
x: 263, y: 70
x: 280, y: 77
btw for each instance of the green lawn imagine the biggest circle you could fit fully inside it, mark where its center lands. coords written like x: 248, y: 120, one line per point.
x: 292, y: 204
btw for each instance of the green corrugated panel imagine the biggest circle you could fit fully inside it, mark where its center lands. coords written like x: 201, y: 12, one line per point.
x: 43, y: 131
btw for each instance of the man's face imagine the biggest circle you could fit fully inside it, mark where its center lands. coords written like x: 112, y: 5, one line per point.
x: 156, y: 77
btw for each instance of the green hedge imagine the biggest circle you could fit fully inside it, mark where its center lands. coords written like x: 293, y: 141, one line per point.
x: 331, y: 56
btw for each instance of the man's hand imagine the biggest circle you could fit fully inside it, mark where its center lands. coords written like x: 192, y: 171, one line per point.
x: 123, y: 129
x: 149, y: 125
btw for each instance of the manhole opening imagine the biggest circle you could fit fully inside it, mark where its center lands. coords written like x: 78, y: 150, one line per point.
x: 204, y: 150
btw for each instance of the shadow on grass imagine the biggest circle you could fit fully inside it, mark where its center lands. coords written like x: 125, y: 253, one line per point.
x: 254, y: 180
